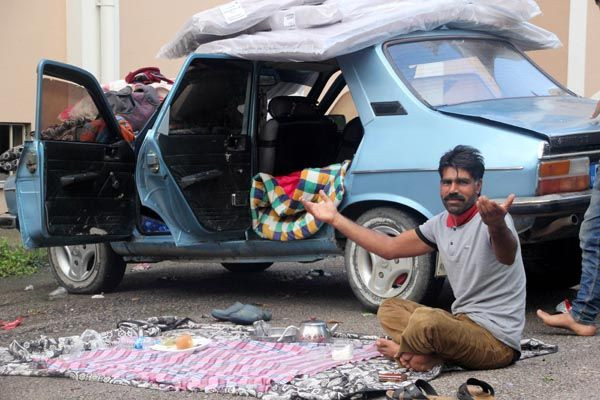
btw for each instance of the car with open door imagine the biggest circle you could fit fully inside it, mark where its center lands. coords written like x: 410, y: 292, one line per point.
x: 181, y: 188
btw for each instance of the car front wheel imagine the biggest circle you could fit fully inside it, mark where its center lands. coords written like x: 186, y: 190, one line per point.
x: 87, y: 268
x: 374, y: 279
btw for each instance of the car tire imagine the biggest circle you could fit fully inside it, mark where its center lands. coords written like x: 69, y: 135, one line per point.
x: 555, y: 264
x: 246, y: 268
x: 87, y: 268
x: 409, y: 278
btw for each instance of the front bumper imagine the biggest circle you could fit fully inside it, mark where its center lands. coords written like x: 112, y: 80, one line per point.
x: 549, y: 217
x: 550, y: 204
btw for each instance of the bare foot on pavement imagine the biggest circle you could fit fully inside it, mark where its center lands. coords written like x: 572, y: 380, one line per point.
x: 419, y: 362
x: 566, y: 321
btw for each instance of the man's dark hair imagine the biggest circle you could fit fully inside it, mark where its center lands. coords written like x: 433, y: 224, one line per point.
x: 465, y: 157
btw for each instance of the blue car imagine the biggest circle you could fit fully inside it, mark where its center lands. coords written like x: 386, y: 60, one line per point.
x: 181, y: 189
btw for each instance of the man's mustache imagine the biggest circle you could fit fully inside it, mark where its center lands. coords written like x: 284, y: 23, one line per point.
x: 454, y: 196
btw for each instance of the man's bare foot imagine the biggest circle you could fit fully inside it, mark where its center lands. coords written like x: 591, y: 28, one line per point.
x: 566, y: 321
x: 387, y: 347
x: 419, y: 362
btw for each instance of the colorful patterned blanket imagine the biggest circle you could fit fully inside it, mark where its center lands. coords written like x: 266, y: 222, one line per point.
x: 312, y: 373
x: 279, y: 216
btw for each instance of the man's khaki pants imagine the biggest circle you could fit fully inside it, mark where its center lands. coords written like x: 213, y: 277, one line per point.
x: 424, y: 330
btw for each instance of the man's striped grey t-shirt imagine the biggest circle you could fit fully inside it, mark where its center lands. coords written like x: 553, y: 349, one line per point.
x: 490, y: 293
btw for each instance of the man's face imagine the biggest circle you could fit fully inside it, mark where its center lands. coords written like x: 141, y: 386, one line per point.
x: 459, y: 191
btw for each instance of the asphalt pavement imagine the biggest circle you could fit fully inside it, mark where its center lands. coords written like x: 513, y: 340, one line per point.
x: 192, y: 289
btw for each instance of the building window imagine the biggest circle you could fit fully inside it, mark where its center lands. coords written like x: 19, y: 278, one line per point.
x: 11, y: 135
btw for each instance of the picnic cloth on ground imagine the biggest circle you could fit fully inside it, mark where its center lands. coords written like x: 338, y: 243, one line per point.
x: 29, y: 358
x: 247, y: 364
x: 278, y: 216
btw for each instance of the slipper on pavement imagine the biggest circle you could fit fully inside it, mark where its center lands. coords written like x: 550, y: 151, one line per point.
x: 474, y: 389
x: 223, y: 315
x: 420, y: 389
x: 249, y: 314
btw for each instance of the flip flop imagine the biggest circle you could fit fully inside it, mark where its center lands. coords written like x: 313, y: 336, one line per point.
x: 418, y: 390
x: 474, y: 389
x: 249, y: 314
x: 223, y: 315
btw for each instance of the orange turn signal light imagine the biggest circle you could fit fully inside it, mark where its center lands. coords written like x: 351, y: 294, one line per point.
x: 562, y: 185
x: 554, y: 168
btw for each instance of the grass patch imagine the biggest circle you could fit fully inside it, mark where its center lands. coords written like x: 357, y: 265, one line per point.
x: 15, y: 260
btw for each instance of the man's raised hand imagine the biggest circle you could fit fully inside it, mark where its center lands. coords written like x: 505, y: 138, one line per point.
x: 491, y: 212
x: 596, y: 111
x: 324, y: 210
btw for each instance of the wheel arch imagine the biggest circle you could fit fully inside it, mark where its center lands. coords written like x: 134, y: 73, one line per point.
x: 354, y: 209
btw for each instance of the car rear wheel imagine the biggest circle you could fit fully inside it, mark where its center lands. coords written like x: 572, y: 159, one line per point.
x: 374, y: 279
x: 238, y: 268
x: 87, y: 268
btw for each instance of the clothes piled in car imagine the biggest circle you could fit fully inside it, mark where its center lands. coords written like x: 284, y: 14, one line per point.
x: 300, y: 30
x: 132, y: 101
x: 10, y: 158
x: 275, y: 206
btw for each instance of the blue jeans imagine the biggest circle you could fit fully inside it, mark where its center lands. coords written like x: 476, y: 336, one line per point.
x: 586, y: 305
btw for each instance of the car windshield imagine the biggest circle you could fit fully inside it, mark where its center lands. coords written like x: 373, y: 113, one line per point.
x: 453, y: 71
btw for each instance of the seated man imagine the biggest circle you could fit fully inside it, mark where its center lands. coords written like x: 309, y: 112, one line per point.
x: 478, y: 244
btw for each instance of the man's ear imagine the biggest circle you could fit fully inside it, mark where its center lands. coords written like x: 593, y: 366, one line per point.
x: 479, y: 186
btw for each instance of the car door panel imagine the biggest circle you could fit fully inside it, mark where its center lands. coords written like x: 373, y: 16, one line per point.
x: 76, y: 185
x: 80, y: 176
x: 196, y: 171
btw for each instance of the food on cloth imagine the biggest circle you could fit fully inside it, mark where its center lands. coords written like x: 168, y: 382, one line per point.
x: 168, y: 341
x: 184, y: 341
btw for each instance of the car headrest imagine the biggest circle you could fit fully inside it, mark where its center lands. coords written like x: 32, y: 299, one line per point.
x: 353, y: 131
x: 292, y: 106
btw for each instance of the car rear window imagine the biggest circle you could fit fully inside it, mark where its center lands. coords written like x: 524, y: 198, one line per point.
x: 453, y: 71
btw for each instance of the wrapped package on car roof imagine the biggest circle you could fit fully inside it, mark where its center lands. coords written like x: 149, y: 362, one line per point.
x: 363, y: 23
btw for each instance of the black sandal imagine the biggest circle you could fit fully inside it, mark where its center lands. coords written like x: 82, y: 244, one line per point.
x: 418, y: 390
x: 474, y: 389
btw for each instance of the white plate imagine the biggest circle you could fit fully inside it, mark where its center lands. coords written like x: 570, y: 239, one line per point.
x: 198, y: 342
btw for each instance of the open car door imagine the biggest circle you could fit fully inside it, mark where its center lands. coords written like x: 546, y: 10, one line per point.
x: 195, y: 162
x: 75, y: 181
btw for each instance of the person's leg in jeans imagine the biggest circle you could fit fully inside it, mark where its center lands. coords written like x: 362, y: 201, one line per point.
x: 586, y: 305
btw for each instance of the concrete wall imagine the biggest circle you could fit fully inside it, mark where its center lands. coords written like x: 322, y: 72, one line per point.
x: 555, y: 18
x: 148, y: 24
x: 29, y: 30
x: 592, y: 76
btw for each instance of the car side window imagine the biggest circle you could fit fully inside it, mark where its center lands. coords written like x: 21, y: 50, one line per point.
x: 68, y: 113
x: 213, y: 96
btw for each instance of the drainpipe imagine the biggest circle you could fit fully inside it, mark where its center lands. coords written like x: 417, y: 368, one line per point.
x: 93, y: 37
x: 109, y: 40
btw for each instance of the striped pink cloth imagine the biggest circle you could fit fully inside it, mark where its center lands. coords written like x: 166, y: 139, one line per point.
x: 219, y: 365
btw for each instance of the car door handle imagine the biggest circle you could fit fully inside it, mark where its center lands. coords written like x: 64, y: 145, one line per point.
x: 199, y: 177
x: 69, y: 180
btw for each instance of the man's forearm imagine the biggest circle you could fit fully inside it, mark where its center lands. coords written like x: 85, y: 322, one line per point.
x: 504, y: 243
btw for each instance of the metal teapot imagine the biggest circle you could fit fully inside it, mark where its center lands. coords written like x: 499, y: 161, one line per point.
x: 315, y: 330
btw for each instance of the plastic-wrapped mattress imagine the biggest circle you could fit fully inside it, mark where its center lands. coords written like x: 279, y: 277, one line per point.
x: 363, y: 23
